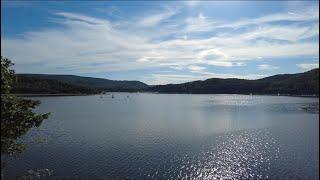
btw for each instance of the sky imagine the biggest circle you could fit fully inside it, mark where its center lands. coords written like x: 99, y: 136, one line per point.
x: 161, y: 42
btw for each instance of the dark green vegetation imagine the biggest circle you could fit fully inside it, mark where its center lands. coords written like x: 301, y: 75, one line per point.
x: 291, y: 84
x: 286, y: 84
x: 52, y: 84
x: 17, y: 114
x: 34, y: 85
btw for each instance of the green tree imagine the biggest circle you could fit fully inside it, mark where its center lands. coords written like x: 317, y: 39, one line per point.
x: 17, y: 114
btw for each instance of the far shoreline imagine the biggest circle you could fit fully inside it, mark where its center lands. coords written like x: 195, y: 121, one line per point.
x: 48, y: 95
x: 72, y: 94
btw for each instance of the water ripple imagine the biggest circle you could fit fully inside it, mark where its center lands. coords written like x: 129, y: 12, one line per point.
x: 236, y: 155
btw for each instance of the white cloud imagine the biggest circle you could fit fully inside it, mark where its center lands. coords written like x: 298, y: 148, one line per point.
x: 200, y: 23
x: 156, y: 19
x: 284, y: 32
x: 196, y: 68
x: 192, y: 3
x: 81, y: 42
x: 306, y: 67
x: 267, y: 67
x: 213, y: 54
x: 216, y: 57
x: 82, y: 18
x: 265, y: 49
x: 204, y: 24
x: 176, y: 67
x: 221, y: 63
x: 305, y: 14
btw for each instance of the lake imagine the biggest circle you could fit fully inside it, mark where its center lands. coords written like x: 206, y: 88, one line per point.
x: 174, y: 136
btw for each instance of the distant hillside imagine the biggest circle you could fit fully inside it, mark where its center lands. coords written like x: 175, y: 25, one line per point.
x: 32, y: 85
x: 294, y: 84
x: 88, y: 82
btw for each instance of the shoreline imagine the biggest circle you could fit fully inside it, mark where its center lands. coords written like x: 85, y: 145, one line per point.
x: 71, y: 94
x: 48, y: 95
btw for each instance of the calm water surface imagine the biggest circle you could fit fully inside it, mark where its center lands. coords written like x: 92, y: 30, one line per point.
x: 161, y: 136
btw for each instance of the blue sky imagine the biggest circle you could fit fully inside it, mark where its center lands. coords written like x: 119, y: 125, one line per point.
x: 162, y: 41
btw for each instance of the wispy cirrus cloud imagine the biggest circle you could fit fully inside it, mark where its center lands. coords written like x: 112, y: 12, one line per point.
x: 305, y: 14
x: 79, y: 41
x: 202, y: 23
x: 82, y: 18
x: 157, y: 18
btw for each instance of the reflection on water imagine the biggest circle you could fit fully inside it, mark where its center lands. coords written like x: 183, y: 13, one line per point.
x: 171, y: 136
x: 236, y: 155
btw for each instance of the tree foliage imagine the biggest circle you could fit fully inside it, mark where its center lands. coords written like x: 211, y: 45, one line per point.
x: 54, y: 83
x: 7, y: 75
x: 33, y: 85
x: 69, y: 84
x: 17, y: 114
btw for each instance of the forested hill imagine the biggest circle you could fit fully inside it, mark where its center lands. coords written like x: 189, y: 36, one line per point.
x: 291, y: 84
x: 33, y: 85
x: 89, y: 81
x: 64, y: 84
